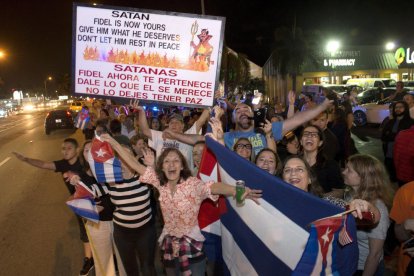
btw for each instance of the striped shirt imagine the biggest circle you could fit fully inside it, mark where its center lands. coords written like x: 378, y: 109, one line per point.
x: 132, y: 203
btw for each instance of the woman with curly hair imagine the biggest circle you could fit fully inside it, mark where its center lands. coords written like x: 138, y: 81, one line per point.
x: 368, y: 180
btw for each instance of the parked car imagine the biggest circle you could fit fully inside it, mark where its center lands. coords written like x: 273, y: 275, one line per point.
x: 367, y: 83
x: 409, y: 85
x: 58, y: 119
x: 374, y: 95
x: 371, y: 113
x: 337, y: 88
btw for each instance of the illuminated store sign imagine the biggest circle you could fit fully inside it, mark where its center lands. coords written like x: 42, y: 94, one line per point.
x: 402, y: 55
x: 339, y: 62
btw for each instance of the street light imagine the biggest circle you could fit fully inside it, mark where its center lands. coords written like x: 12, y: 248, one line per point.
x: 2, y: 54
x: 390, y: 46
x: 45, y: 82
x: 332, y: 47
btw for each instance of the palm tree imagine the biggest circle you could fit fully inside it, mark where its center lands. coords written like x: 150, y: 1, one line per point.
x: 235, y: 70
x: 63, y: 84
x: 292, y: 48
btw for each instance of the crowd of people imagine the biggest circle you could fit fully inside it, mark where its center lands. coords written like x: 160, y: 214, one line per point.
x: 307, y: 145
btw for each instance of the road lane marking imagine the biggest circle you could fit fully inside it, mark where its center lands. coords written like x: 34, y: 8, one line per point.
x: 4, y: 161
x: 21, y: 122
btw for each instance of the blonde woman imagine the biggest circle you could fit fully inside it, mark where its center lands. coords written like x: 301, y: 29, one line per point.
x: 368, y: 180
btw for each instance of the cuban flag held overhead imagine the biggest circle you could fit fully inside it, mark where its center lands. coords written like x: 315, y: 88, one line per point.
x: 105, y: 167
x: 270, y: 238
x: 82, y: 119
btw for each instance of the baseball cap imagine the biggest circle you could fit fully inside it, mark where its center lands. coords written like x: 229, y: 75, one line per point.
x: 176, y: 116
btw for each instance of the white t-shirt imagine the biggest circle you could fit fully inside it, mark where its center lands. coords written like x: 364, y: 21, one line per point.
x: 159, y: 144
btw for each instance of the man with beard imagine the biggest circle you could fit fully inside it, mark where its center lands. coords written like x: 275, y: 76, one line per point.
x: 243, y: 118
x: 399, y: 93
x: 401, y: 120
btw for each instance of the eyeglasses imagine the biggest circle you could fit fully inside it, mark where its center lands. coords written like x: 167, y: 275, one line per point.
x: 246, y: 146
x: 310, y: 134
x: 297, y: 170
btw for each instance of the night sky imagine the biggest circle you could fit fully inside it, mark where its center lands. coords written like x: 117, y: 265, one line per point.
x: 36, y: 35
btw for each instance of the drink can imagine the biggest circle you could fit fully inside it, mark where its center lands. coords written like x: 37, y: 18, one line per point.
x: 240, y: 189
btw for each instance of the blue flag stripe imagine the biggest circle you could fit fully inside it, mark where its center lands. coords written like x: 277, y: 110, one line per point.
x: 264, y: 261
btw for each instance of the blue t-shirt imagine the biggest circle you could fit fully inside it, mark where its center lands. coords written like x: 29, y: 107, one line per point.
x: 258, y: 140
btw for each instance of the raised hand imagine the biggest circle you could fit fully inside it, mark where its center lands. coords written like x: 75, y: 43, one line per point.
x: 218, y: 111
x: 327, y: 103
x: 292, y: 97
x: 105, y: 137
x: 267, y: 127
x: 134, y: 104
x: 217, y: 129
x: 149, y: 158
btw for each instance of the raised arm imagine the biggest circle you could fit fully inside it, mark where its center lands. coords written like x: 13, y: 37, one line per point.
x: 302, y: 117
x: 189, y: 139
x: 202, y: 120
x: 126, y: 156
x: 47, y: 165
x: 291, y: 107
x: 142, y: 118
x: 271, y: 143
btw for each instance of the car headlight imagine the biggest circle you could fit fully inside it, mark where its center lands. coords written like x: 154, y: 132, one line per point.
x: 28, y: 107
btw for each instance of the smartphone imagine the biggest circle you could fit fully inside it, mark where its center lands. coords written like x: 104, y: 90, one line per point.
x: 259, y: 117
x: 257, y: 98
x: 409, y: 243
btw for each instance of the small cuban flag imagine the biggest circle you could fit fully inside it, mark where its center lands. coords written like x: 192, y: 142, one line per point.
x: 104, y: 165
x: 83, y: 204
x: 320, y: 252
x: 82, y: 119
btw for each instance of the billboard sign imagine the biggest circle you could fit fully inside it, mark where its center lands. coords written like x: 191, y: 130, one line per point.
x: 166, y: 57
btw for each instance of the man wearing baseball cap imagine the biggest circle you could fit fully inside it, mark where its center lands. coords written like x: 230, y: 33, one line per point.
x: 175, y: 125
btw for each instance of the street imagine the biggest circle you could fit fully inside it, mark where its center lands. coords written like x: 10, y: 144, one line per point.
x: 39, y: 234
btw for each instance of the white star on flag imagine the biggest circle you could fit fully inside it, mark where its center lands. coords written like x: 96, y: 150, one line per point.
x: 212, y: 176
x: 325, y: 237
x: 100, y: 153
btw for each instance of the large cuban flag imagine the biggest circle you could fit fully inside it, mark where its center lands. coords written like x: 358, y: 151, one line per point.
x: 270, y: 238
x: 105, y: 167
x: 209, y: 214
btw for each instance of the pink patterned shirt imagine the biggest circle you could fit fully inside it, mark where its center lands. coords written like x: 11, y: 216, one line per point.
x: 180, y: 210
